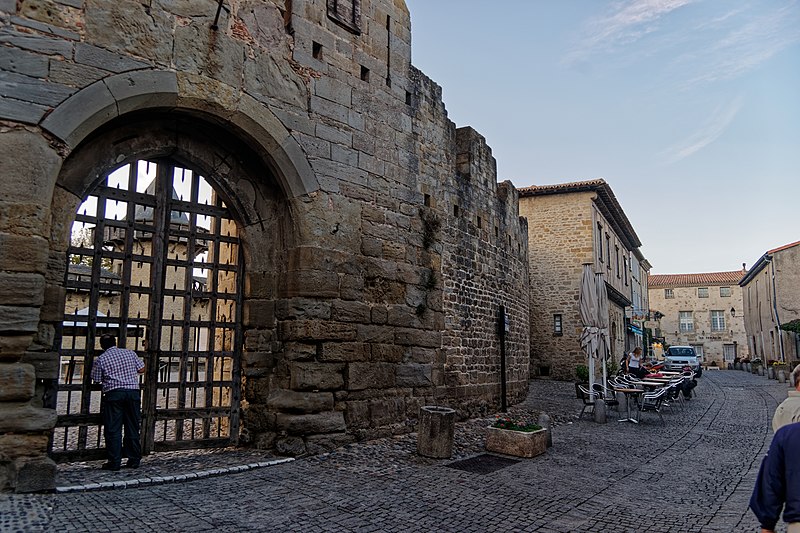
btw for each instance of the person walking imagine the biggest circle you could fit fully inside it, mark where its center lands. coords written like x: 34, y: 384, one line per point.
x: 778, y: 484
x: 118, y: 369
x: 789, y: 410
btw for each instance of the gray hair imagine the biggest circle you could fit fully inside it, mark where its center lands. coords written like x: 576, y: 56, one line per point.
x: 794, y: 377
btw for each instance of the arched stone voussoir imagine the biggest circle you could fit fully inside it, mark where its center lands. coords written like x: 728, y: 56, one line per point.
x: 75, y: 119
x: 93, y: 106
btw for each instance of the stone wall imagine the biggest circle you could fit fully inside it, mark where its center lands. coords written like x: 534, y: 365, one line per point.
x: 366, y: 294
x: 559, y: 243
x: 763, y: 295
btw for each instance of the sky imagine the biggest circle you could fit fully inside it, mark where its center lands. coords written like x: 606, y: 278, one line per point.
x: 689, y: 109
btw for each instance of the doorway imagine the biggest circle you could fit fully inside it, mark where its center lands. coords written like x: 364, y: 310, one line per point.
x: 155, y: 259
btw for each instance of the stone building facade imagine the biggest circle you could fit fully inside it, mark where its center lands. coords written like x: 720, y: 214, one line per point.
x: 640, y: 307
x: 376, y: 243
x: 703, y: 310
x: 570, y: 225
x: 771, y: 293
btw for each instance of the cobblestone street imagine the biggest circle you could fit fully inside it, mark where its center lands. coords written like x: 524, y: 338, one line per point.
x: 694, y: 473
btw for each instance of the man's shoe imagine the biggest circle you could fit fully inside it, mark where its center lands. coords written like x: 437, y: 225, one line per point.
x: 109, y: 466
x: 132, y: 464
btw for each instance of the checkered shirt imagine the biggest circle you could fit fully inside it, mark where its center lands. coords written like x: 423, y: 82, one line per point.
x: 117, y: 368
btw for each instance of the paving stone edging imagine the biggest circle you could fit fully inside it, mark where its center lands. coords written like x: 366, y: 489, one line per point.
x: 161, y: 480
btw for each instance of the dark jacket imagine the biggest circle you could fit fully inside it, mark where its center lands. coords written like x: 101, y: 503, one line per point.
x: 778, y: 483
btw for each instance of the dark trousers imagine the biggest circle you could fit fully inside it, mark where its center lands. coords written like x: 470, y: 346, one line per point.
x: 121, y: 409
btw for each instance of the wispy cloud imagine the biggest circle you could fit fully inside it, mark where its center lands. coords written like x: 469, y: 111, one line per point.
x: 744, y: 45
x: 712, y: 42
x: 709, y: 132
x: 627, y: 22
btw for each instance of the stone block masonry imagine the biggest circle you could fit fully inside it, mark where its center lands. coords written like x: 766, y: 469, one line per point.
x: 378, y: 244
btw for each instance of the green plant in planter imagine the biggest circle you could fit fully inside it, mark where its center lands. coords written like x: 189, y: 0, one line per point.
x: 582, y: 372
x: 515, y: 425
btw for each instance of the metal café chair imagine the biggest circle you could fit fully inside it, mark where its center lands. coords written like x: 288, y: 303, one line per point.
x: 608, y: 396
x: 652, y: 402
x: 585, y: 396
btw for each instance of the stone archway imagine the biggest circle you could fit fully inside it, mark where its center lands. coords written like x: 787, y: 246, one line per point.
x: 244, y: 183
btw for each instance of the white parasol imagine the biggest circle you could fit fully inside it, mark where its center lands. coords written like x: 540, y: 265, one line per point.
x: 591, y: 335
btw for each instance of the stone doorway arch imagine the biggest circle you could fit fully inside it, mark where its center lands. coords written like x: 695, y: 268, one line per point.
x: 249, y: 199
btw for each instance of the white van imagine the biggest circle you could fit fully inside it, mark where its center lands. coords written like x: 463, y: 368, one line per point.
x: 679, y: 357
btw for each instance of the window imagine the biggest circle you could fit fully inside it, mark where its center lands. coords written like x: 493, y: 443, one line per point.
x: 316, y: 50
x: 686, y: 321
x: 702, y: 292
x: 698, y: 349
x: 717, y: 320
x: 557, y: 325
x: 600, y: 242
x: 725, y: 292
x: 625, y: 269
x: 616, y: 260
x: 346, y: 13
x: 729, y: 352
x: 669, y: 294
x: 608, y: 250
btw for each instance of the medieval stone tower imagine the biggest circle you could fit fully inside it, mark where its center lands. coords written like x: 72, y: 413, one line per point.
x: 359, y: 244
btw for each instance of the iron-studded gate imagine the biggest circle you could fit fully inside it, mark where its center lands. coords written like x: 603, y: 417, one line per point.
x: 155, y: 259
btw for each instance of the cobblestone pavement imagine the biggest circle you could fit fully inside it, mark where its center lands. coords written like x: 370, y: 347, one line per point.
x: 694, y: 473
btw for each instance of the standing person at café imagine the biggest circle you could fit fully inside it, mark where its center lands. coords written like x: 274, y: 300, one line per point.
x: 778, y: 484
x: 633, y: 363
x: 118, y: 370
x: 789, y: 411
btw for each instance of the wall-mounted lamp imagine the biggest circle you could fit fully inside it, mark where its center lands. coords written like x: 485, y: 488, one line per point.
x: 733, y: 312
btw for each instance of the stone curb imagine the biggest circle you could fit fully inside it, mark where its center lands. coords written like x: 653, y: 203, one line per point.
x: 160, y: 480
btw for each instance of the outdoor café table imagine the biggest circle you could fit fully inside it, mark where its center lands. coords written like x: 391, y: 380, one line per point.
x: 628, y: 393
x: 670, y: 373
x: 654, y: 382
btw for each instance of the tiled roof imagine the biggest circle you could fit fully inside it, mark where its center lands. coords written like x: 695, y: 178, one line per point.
x: 537, y: 190
x: 607, y: 203
x: 764, y: 261
x: 784, y: 247
x: 686, y: 280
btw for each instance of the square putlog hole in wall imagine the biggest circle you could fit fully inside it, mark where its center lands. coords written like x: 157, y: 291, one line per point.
x: 316, y: 50
x: 364, y: 73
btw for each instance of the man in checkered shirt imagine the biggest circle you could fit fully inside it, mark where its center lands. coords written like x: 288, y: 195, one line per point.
x: 118, y: 370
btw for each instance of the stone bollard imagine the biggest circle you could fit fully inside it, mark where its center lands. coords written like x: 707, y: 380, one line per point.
x: 599, y: 411
x: 435, y: 431
x: 771, y: 373
x: 761, y: 371
x: 781, y: 376
x: 544, y: 421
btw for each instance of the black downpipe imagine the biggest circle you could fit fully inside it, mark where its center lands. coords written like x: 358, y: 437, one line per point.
x: 501, y: 330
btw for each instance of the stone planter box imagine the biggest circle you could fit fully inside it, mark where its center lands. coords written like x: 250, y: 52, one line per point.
x: 516, y: 443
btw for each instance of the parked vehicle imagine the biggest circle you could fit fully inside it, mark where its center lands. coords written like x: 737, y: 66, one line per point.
x: 676, y: 358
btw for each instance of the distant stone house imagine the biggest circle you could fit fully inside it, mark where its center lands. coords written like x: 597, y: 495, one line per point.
x: 572, y: 224
x: 703, y: 310
x: 771, y: 292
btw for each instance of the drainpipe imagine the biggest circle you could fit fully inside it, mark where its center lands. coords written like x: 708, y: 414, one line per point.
x: 775, y: 308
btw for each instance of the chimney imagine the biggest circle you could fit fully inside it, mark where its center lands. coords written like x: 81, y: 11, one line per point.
x: 744, y: 267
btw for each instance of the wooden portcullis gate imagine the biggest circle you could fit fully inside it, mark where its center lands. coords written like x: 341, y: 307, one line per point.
x: 155, y: 259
